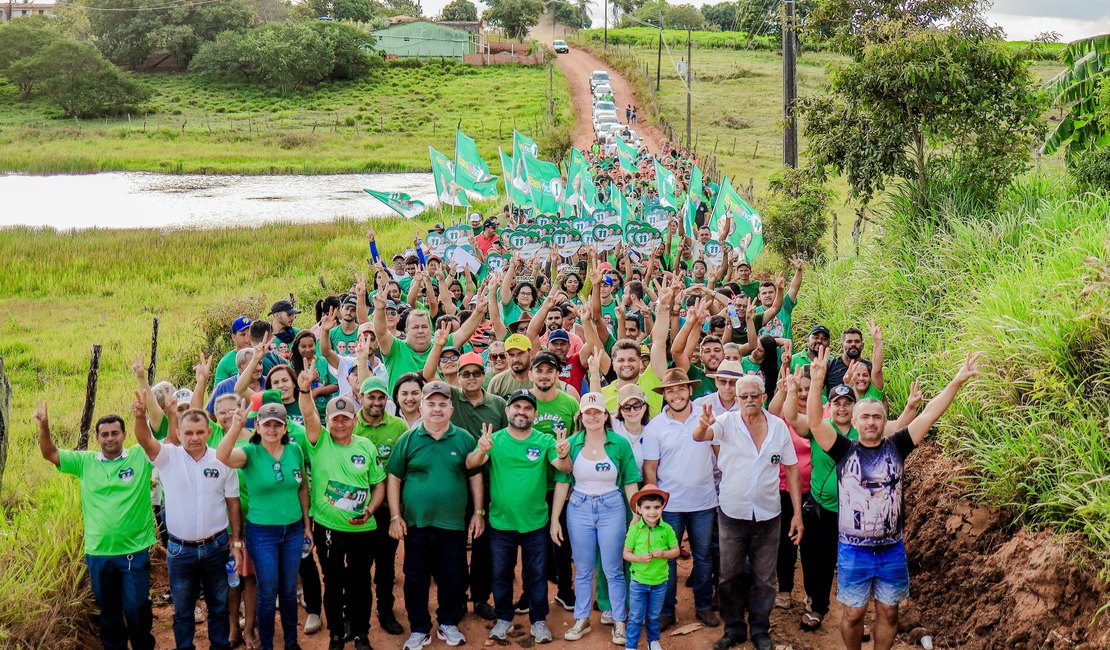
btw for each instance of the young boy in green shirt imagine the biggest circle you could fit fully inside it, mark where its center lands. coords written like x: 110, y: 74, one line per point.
x: 649, y: 544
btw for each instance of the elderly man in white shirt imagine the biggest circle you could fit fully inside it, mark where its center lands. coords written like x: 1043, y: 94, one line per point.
x: 752, y: 445
x: 202, y: 501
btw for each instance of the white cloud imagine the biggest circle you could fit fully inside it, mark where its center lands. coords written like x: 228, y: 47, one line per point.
x: 1024, y: 28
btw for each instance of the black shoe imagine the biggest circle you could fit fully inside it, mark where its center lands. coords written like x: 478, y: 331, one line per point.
x: 388, y: 622
x: 728, y: 641
x: 347, y: 636
x: 485, y: 611
x: 715, y: 602
x: 665, y: 622
x: 362, y: 645
x: 762, y: 642
x: 708, y: 617
x: 337, y: 642
x: 521, y: 606
x: 565, y: 600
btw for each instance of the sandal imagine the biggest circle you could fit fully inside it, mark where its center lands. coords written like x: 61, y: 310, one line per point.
x: 811, y: 621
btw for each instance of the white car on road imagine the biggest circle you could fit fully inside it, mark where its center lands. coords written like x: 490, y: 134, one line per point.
x: 602, y: 122
x: 598, y: 77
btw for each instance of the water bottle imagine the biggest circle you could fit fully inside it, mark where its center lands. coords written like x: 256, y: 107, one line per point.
x: 306, y: 548
x: 734, y: 317
x: 927, y: 642
x: 232, y: 574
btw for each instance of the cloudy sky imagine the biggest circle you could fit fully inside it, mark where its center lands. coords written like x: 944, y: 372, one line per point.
x: 1022, y: 19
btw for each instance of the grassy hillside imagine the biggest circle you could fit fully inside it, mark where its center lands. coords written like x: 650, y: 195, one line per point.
x: 382, y: 123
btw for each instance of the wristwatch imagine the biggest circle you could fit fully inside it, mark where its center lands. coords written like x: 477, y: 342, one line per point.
x: 237, y: 544
x: 480, y: 513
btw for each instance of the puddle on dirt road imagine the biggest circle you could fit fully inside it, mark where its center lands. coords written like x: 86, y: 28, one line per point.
x: 116, y: 200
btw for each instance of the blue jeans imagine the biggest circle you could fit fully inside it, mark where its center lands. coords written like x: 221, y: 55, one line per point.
x: 698, y: 526
x: 595, y: 522
x: 121, y: 584
x: 645, y: 604
x: 533, y: 552
x: 190, y: 567
x: 866, y: 571
x: 276, y: 553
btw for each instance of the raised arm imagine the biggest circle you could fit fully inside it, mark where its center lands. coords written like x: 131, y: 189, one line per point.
x: 431, y: 364
x: 446, y: 304
x: 243, y: 383
x: 329, y: 321
x: 661, y: 330
x: 499, y: 329
x: 704, y: 429
x: 142, y: 429
x: 311, y: 416
x: 536, y: 325
x: 153, y: 409
x: 772, y: 311
x: 506, y: 295
x: 480, y: 455
x: 202, y: 371
x: 562, y: 460
x: 381, y: 330
x: 471, y: 324
x: 687, y: 340
x: 908, y: 414
x: 796, y: 281
x: 226, y: 452
x: 876, y: 355
x: 822, y: 431
x: 47, y: 447
x: 362, y: 312
x: 593, y: 367
x: 939, y: 404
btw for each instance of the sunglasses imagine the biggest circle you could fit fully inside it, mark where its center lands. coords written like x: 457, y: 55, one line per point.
x: 498, y: 357
x: 746, y: 396
x: 448, y: 359
x: 471, y: 374
x: 278, y: 476
x: 632, y: 406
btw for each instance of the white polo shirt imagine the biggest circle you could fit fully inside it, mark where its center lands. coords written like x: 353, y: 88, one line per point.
x: 714, y: 400
x: 685, y: 465
x: 750, y: 476
x: 195, y: 492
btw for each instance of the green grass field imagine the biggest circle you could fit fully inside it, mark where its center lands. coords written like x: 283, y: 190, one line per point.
x: 196, y: 125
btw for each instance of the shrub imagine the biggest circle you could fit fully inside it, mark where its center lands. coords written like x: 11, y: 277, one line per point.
x: 797, y: 215
x: 78, y: 80
x: 1091, y: 170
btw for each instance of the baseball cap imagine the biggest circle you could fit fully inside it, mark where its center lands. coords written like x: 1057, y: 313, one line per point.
x: 819, y: 329
x: 592, y: 401
x: 437, y: 388
x: 471, y: 359
x: 183, y: 397
x: 475, y: 217
x: 448, y: 349
x: 518, y: 342
x: 645, y: 351
x: 743, y: 263
x: 284, y: 306
x: 351, y: 300
x: 341, y: 405
x: 365, y: 327
x: 548, y: 358
x: 268, y: 412
x: 842, y: 391
x: 490, y: 222
x: 389, y: 304
x: 240, y: 324
x: 631, y: 392
x: 558, y: 335
x: 521, y: 393
x: 373, y: 384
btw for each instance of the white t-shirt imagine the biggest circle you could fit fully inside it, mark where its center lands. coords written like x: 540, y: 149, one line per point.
x: 685, y: 465
x: 344, y: 369
x: 195, y: 492
x: 636, y: 441
x: 594, y: 477
x: 750, y: 476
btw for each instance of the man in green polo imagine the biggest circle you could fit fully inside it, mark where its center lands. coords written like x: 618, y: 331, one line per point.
x: 384, y: 430
x: 427, y: 492
x: 119, y: 527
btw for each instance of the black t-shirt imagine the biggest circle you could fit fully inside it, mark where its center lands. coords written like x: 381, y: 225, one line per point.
x: 869, y: 480
x: 740, y: 334
x: 837, y: 370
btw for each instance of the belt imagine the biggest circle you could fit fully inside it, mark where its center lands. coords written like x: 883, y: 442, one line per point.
x: 198, y: 542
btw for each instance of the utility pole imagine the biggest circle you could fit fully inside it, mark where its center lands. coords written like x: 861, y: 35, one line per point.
x: 605, y: 36
x: 659, y: 56
x: 689, y: 89
x: 551, y: 91
x: 789, y: 87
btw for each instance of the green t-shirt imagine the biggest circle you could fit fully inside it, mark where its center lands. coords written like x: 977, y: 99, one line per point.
x: 115, y: 499
x: 750, y: 367
x: 780, y: 326
x: 799, y: 359
x: 343, y: 477
x: 643, y: 539
x: 648, y: 380
x: 402, y: 359
x: 822, y: 480
x: 708, y: 384
x: 503, y: 383
x: 873, y: 393
x: 611, y: 310
x: 518, y: 481
x: 326, y: 379
x: 510, y: 312
x: 336, y: 334
x: 471, y: 418
x: 750, y: 289
x: 691, y: 281
x: 163, y: 429
x: 226, y: 367
x: 244, y: 499
x: 558, y: 412
x: 435, y: 488
x: 273, y: 484
x: 384, y: 435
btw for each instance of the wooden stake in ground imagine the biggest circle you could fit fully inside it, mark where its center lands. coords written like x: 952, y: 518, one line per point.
x: 153, y: 367
x: 5, y: 417
x: 90, y: 399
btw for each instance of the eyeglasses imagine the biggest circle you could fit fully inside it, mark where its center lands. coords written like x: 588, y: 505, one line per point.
x: 498, y: 357
x: 448, y: 359
x: 278, y: 476
x: 632, y: 406
x: 471, y: 374
x: 745, y: 396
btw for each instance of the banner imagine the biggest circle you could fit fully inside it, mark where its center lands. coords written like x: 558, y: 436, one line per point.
x: 696, y: 188
x: 666, y: 185
x: 625, y: 210
x: 581, y: 190
x: 515, y: 188
x: 400, y: 203
x: 745, y: 226
x: 444, y: 174
x: 546, y: 183
x: 627, y: 155
x: 471, y: 172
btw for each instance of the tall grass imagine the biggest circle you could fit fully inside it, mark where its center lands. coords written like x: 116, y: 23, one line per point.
x: 1022, y: 283
x: 702, y: 39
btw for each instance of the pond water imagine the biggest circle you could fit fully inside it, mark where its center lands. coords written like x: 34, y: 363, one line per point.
x: 147, y: 200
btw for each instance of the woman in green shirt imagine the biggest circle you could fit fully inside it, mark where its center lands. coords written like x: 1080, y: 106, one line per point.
x: 305, y: 356
x: 274, y: 474
x: 603, y: 466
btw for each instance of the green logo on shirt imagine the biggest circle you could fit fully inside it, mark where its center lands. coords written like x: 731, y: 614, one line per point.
x: 211, y: 473
x: 358, y: 461
x: 297, y: 475
x: 126, y: 474
x: 384, y: 450
x: 775, y: 459
x: 603, y: 467
x: 533, y: 453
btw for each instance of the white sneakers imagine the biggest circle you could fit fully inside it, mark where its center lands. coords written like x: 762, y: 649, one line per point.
x: 619, y: 635
x: 312, y: 624
x: 580, y: 629
x: 450, y: 634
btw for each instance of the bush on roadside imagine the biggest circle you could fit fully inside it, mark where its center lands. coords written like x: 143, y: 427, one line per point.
x: 796, y: 217
x: 1091, y: 170
x: 20, y: 41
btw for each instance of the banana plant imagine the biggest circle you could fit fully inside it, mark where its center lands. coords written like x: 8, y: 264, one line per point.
x: 1078, y: 87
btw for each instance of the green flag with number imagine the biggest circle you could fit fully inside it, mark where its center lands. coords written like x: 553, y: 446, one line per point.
x: 443, y: 173
x: 625, y: 210
x: 745, y: 225
x: 581, y: 190
x: 666, y: 185
x: 471, y: 172
x: 627, y: 155
x: 516, y: 188
x: 401, y: 203
x: 545, y: 183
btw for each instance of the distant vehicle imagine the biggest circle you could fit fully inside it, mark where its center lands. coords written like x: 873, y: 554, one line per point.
x: 598, y: 77
x: 328, y: 18
x: 602, y: 89
x: 603, y: 121
x: 560, y: 46
x: 600, y: 107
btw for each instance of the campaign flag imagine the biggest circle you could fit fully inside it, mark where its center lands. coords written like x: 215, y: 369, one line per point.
x: 523, y: 148
x: 627, y: 155
x: 666, y: 185
x: 689, y: 212
x: 402, y: 204
x: 516, y: 188
x: 745, y: 225
x: 471, y: 172
x: 581, y: 190
x: 444, y: 174
x: 696, y: 185
x: 546, y: 183
x: 625, y: 210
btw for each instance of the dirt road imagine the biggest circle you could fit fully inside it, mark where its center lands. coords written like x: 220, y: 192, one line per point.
x: 576, y: 66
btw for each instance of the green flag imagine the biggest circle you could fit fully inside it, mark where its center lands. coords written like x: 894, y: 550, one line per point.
x: 516, y: 188
x: 696, y: 189
x: 627, y: 155
x: 689, y: 211
x: 666, y: 185
x: 625, y: 210
x: 546, y: 184
x: 523, y: 147
x: 400, y: 203
x: 442, y: 171
x: 581, y: 190
x: 744, y: 222
x: 471, y: 172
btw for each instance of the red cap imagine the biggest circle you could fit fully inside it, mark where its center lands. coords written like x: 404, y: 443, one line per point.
x: 471, y: 359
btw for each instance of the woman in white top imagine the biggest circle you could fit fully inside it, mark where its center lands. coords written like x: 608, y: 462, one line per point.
x: 630, y: 418
x: 603, y: 467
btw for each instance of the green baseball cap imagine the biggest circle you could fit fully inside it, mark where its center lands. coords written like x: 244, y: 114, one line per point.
x: 373, y: 384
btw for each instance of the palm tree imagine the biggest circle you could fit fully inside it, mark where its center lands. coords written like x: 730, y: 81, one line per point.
x: 1078, y: 88
x: 583, y: 8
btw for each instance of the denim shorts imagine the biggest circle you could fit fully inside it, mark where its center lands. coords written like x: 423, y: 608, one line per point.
x: 863, y: 571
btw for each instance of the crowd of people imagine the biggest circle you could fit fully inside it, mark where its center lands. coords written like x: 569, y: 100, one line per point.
x: 602, y: 415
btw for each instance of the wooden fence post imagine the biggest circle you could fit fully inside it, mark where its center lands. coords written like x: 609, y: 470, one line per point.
x: 836, y: 252
x: 153, y: 367
x: 5, y: 417
x: 90, y: 399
